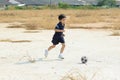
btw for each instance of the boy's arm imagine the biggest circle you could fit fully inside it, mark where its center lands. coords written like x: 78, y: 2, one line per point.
x: 57, y: 30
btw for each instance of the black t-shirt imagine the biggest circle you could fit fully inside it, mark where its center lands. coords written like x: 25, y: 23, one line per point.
x: 59, y: 26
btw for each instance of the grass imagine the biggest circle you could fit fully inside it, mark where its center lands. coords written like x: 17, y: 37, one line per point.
x: 115, y: 33
x: 28, y: 58
x: 14, y: 41
x: 15, y: 26
x: 59, y: 6
x: 31, y: 31
x: 47, y: 18
x: 76, y: 74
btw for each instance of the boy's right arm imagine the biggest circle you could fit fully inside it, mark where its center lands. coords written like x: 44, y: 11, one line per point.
x: 57, y: 30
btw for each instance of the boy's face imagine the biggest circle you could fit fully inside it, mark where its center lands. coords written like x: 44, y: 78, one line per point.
x: 63, y: 20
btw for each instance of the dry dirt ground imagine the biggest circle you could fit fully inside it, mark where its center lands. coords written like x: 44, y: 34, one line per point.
x: 19, y: 46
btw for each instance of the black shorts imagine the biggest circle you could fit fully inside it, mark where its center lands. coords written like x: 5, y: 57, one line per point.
x: 57, y: 40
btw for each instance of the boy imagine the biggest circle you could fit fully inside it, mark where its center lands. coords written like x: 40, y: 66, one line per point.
x: 58, y: 36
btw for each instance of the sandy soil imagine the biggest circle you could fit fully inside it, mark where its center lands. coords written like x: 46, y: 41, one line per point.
x: 102, y: 51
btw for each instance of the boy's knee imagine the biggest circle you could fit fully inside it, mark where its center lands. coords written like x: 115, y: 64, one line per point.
x: 63, y: 45
x: 53, y: 46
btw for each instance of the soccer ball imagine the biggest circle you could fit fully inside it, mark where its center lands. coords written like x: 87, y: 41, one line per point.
x: 84, y: 59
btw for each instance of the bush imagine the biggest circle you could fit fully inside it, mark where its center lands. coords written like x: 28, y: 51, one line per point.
x: 88, y: 7
x: 19, y: 8
x: 109, y: 3
x: 63, y: 5
x: 26, y: 7
x: 67, y: 6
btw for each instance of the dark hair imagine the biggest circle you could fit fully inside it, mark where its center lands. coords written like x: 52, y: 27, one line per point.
x: 61, y: 16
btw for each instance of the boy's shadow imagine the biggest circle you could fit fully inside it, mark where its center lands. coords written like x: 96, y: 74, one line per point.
x: 38, y: 60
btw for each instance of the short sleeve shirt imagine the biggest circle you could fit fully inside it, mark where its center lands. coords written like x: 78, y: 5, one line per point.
x: 59, y: 26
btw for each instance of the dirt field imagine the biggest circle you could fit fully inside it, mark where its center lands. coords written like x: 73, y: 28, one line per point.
x: 18, y: 45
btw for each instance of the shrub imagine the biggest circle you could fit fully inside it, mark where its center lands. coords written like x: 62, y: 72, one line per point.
x: 63, y: 5
x: 109, y: 3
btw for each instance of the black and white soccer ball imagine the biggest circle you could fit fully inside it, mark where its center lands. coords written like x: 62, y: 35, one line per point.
x: 84, y: 59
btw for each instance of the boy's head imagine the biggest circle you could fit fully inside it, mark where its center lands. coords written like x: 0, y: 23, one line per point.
x: 62, y: 18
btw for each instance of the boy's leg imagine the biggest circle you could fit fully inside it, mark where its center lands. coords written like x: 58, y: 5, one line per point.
x: 51, y: 47
x: 61, y: 51
x: 46, y: 51
x: 62, y: 48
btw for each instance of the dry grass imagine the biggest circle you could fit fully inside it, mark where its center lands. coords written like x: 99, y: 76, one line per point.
x: 5, y: 40
x: 74, y: 74
x: 115, y: 33
x: 31, y: 31
x: 47, y: 19
x: 14, y: 41
x: 19, y: 41
x: 28, y: 58
x: 15, y: 26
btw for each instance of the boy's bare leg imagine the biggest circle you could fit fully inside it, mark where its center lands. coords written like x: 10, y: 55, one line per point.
x: 46, y: 51
x: 51, y: 47
x: 61, y: 51
x: 62, y: 48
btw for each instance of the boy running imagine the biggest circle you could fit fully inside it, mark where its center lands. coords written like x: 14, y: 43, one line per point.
x: 58, y: 37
